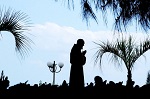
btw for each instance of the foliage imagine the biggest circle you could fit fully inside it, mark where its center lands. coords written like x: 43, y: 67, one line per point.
x: 4, y: 82
x: 148, y: 78
x: 124, y: 11
x: 125, y: 50
x: 16, y: 22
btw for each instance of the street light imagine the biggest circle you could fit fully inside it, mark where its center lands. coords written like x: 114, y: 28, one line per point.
x: 53, y: 68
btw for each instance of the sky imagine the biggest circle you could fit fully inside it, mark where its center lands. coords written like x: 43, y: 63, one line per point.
x: 54, y: 30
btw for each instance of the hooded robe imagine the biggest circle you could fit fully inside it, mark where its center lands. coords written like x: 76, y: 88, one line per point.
x: 77, y: 60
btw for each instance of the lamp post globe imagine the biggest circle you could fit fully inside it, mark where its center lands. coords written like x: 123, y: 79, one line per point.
x: 54, y: 68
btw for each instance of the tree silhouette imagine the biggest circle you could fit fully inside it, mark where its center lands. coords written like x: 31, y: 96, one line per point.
x: 124, y: 11
x: 16, y: 22
x: 148, y: 78
x: 125, y: 50
x: 4, y: 82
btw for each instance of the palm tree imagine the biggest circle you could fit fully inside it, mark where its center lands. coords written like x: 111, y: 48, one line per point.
x: 16, y: 22
x: 125, y: 50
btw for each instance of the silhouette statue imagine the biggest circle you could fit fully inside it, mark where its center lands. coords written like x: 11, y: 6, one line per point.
x: 77, y: 60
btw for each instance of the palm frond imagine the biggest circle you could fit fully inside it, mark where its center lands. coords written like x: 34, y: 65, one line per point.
x: 16, y: 22
x: 143, y: 47
x: 107, y: 47
x: 125, y: 50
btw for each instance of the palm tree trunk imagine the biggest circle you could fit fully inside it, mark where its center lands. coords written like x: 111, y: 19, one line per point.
x: 129, y: 79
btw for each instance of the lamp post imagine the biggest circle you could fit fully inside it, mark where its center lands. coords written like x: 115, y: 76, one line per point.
x: 53, y: 68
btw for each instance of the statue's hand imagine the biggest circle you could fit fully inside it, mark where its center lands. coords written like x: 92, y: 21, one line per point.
x: 84, y: 52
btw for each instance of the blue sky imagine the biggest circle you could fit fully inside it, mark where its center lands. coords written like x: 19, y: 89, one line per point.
x: 54, y: 30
